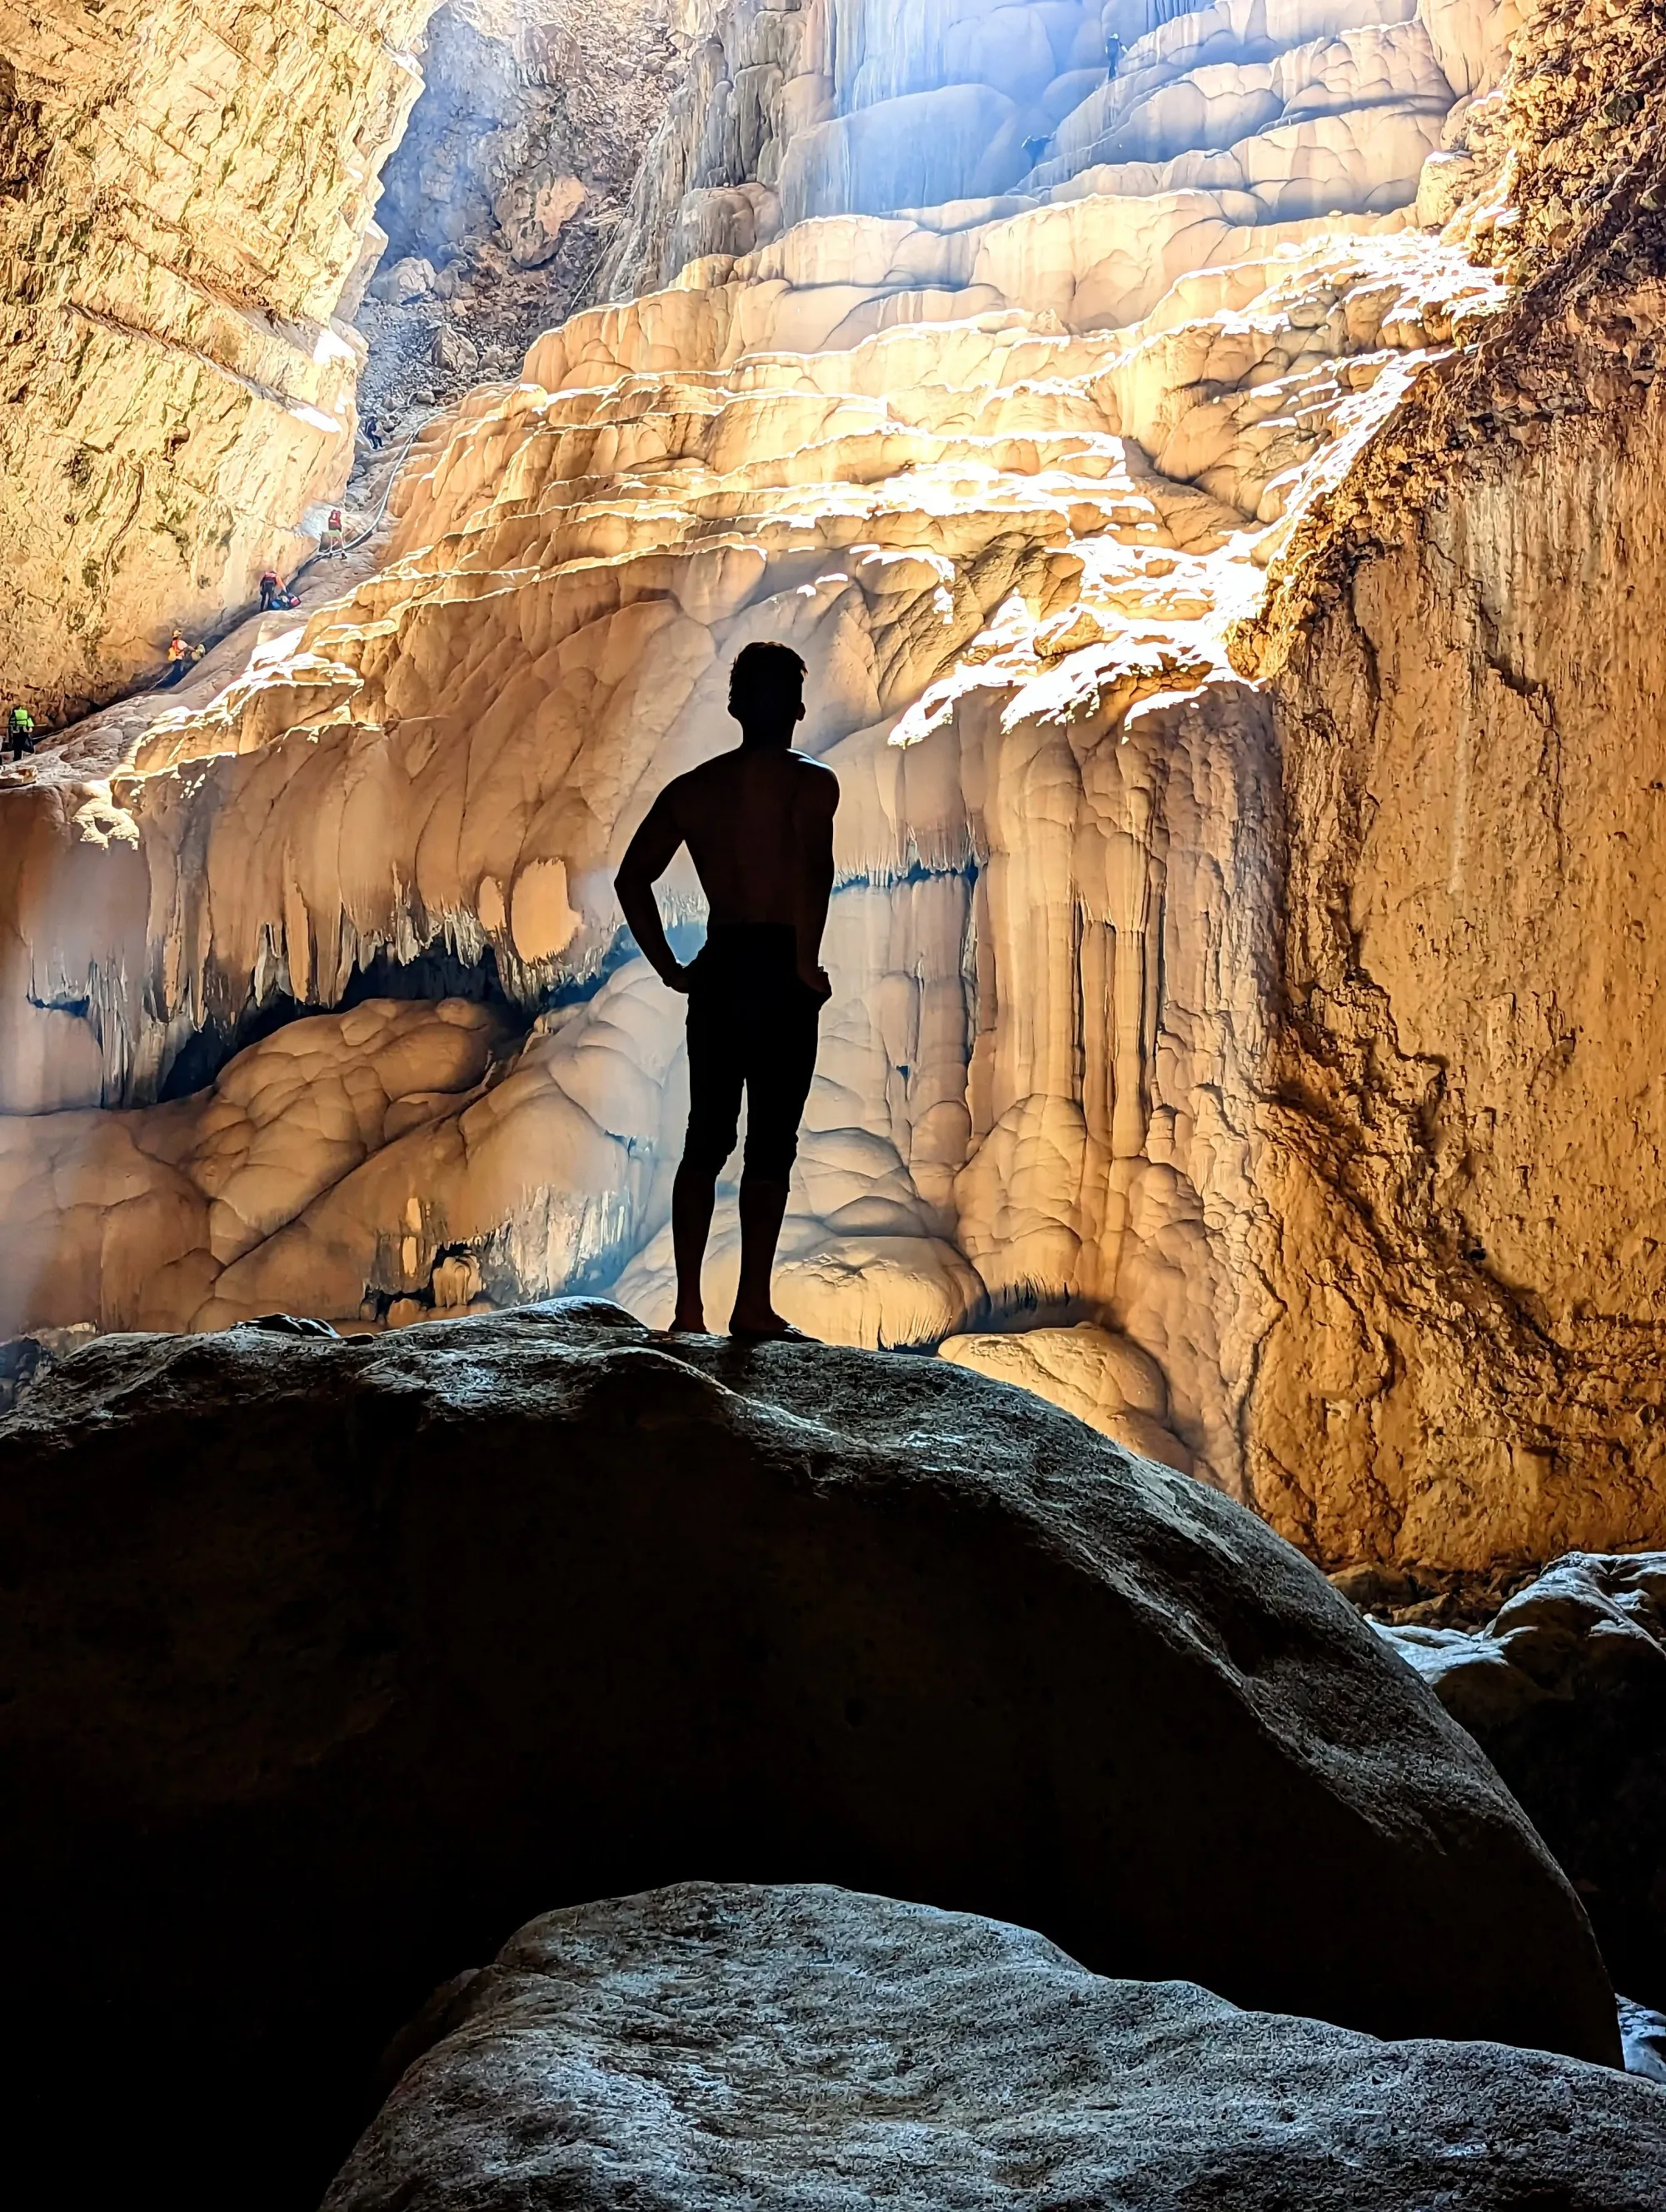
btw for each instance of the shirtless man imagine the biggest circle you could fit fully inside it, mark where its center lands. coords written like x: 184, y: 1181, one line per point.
x: 758, y: 824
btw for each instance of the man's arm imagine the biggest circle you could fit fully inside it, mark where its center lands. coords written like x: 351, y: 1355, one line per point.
x: 651, y: 852
x: 814, y: 806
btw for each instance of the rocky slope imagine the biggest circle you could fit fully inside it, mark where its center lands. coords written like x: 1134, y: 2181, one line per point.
x: 895, y: 2055
x: 1002, y: 355
x: 323, y: 1658
x: 506, y: 190
x: 188, y: 187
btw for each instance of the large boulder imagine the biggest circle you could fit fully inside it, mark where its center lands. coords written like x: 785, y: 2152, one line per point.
x: 710, y: 2046
x: 329, y: 1660
x: 1564, y: 1690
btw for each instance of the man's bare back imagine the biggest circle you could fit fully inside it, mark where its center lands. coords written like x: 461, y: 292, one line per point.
x: 758, y: 824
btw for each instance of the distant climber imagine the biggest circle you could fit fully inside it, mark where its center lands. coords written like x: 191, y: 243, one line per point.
x: 332, y: 546
x: 274, y: 592
x: 1034, y: 148
x: 20, y: 734
x: 182, y: 657
x: 1113, y: 51
x: 758, y: 824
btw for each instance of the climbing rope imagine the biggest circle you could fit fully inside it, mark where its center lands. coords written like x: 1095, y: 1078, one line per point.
x: 375, y: 524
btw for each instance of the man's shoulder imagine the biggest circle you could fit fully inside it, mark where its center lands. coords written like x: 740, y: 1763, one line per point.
x: 818, y: 778
x: 707, y: 775
x: 714, y: 768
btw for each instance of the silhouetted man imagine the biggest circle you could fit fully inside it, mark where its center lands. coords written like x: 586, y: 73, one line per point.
x: 758, y: 824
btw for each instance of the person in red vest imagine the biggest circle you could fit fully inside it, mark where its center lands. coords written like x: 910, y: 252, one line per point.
x: 181, y: 657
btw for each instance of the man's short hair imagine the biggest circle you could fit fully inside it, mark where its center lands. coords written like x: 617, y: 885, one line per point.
x: 767, y: 679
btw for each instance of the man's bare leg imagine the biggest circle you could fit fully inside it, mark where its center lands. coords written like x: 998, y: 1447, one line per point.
x: 693, y: 1195
x: 762, y: 1209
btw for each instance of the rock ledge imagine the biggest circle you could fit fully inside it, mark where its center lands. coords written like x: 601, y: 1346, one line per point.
x: 708, y: 2047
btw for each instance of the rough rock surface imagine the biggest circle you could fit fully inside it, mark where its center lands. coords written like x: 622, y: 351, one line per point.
x: 1643, y: 2033
x: 188, y: 185
x: 1462, y: 657
x: 327, y: 1658
x: 208, y: 1179
x: 713, y: 2045
x: 1566, y: 1693
x: 507, y: 188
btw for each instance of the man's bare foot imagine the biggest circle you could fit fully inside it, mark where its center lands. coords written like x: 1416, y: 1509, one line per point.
x: 688, y: 1324
x: 765, y: 1327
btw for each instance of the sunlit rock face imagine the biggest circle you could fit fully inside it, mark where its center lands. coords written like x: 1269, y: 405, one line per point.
x: 506, y: 191
x: 189, y: 186
x: 1464, y: 661
x: 994, y: 382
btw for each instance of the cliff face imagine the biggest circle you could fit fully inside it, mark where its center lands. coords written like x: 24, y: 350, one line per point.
x: 1465, y: 665
x: 188, y: 187
x: 1204, y: 1010
x: 507, y: 190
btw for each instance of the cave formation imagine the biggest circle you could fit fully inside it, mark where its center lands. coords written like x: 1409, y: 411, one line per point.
x: 1207, y: 457
x: 1204, y: 496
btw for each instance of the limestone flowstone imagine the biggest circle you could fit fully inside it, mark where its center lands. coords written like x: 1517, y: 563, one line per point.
x: 1012, y: 618
x: 1008, y: 453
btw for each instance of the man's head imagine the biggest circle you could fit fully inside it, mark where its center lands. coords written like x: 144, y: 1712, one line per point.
x: 766, y: 693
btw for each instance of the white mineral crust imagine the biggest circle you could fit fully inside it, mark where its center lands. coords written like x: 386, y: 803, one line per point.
x: 1000, y: 435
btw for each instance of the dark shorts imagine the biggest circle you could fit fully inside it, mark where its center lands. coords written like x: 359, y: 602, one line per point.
x: 752, y: 1026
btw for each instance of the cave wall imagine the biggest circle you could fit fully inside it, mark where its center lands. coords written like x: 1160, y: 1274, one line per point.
x: 508, y: 187
x: 1471, y: 1124
x: 1465, y: 660
x: 188, y: 184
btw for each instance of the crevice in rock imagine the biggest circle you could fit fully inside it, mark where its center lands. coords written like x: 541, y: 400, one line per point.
x: 505, y: 193
x: 437, y: 973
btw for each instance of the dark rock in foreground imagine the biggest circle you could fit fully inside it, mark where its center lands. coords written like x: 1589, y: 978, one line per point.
x: 329, y: 1660
x: 1566, y: 1693
x: 709, y: 2046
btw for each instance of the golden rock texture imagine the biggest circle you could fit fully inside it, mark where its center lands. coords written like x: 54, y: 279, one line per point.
x: 1233, y: 989
x: 187, y: 187
x: 1465, y: 666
